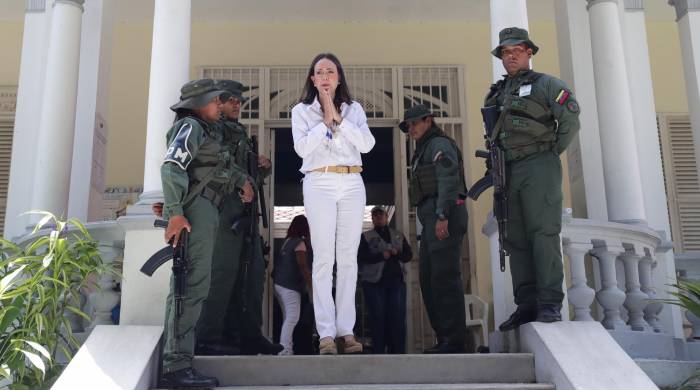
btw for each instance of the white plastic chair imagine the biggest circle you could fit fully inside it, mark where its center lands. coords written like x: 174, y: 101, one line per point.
x: 477, y: 311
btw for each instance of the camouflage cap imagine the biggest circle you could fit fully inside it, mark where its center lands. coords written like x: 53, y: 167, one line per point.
x: 232, y: 87
x: 513, y: 36
x: 414, y: 113
x: 196, y: 94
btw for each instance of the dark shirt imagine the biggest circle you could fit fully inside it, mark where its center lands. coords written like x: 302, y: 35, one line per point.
x: 392, y: 268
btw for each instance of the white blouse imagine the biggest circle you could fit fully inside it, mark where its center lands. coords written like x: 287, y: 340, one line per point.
x: 319, y: 147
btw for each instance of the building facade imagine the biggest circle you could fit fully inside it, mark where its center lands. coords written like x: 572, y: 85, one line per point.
x: 87, y: 86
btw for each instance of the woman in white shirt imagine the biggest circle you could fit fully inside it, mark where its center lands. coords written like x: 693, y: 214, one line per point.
x: 330, y: 131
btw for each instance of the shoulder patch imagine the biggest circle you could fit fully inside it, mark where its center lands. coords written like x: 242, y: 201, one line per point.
x: 572, y: 106
x: 562, y: 97
x: 178, y: 152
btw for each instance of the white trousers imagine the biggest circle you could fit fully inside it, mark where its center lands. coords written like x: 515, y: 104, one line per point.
x: 334, y: 205
x: 290, y: 301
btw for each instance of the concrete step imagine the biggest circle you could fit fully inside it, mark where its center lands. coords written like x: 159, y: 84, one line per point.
x: 425, y: 386
x: 369, y: 369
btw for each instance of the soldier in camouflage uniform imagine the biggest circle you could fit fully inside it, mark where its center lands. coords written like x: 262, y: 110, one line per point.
x: 227, y: 283
x: 538, y: 120
x: 195, y: 174
x: 438, y: 189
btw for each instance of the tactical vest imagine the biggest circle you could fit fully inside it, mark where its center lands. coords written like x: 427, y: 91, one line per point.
x: 236, y: 137
x: 423, y: 182
x: 373, y: 272
x: 526, y: 125
x: 214, y: 155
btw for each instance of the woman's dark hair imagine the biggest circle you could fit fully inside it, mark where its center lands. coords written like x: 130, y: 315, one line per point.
x: 300, y: 228
x: 342, y: 93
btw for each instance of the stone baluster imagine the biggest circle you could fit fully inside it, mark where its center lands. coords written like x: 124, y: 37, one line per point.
x: 610, y: 297
x: 636, y: 300
x: 104, y: 299
x: 581, y: 296
x: 695, y: 323
x: 653, y: 307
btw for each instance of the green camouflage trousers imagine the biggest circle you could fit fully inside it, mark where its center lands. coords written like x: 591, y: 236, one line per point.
x: 534, y: 225
x: 178, y: 352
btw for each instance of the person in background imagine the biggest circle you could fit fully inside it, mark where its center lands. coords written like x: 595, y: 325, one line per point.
x: 292, y: 277
x: 382, y: 257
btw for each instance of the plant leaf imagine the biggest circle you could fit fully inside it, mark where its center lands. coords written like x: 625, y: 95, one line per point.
x: 35, y: 360
x: 47, y: 217
x: 8, y: 315
x: 5, y: 372
x: 39, y: 349
x: 78, y: 312
x: 47, y: 260
x: 8, y: 280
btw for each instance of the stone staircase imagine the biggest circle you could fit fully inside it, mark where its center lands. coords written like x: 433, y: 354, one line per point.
x: 375, y: 372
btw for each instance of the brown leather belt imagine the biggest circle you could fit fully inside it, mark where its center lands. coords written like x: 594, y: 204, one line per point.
x: 339, y: 169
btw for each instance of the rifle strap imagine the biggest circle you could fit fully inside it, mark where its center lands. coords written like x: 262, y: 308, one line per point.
x: 197, y: 188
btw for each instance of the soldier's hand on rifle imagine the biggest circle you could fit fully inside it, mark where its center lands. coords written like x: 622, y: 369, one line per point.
x: 157, y: 209
x: 264, y: 162
x: 175, y: 225
x: 441, y: 231
x: 387, y: 255
x: 247, y: 193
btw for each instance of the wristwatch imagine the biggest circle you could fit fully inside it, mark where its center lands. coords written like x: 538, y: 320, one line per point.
x: 441, y: 216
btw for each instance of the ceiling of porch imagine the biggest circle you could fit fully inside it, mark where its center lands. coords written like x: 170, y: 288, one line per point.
x: 335, y: 10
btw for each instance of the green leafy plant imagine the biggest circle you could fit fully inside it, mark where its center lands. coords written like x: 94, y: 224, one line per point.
x: 687, y: 296
x: 40, y: 282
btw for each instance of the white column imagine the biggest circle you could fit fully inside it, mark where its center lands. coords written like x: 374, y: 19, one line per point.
x: 688, y: 18
x: 54, y: 151
x: 170, y: 67
x: 37, y: 22
x: 584, y: 154
x: 620, y: 162
x: 170, y: 58
x: 634, y: 36
x: 505, y: 13
x: 87, y: 174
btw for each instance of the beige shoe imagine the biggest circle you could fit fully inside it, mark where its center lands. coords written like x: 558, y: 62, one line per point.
x: 350, y: 345
x: 327, y: 346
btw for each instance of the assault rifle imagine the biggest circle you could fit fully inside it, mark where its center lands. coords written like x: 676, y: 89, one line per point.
x: 180, y: 267
x: 495, y: 177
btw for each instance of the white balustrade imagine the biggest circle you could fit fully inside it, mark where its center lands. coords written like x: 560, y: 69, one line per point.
x: 610, y: 297
x: 653, y: 307
x: 636, y: 300
x: 581, y: 296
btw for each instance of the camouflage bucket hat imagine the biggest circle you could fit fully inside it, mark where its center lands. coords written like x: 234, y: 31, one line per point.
x: 196, y: 94
x: 414, y: 113
x: 234, y: 88
x: 514, y: 36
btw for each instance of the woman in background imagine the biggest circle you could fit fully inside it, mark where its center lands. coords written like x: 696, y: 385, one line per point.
x: 292, y: 276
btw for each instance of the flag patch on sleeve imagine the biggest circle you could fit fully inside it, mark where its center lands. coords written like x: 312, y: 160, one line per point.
x: 562, y: 97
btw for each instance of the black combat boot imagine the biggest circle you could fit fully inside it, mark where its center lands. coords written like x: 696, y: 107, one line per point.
x: 260, y: 345
x: 215, y: 348
x: 548, y: 312
x: 522, y: 315
x: 188, y: 378
x: 445, y: 345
